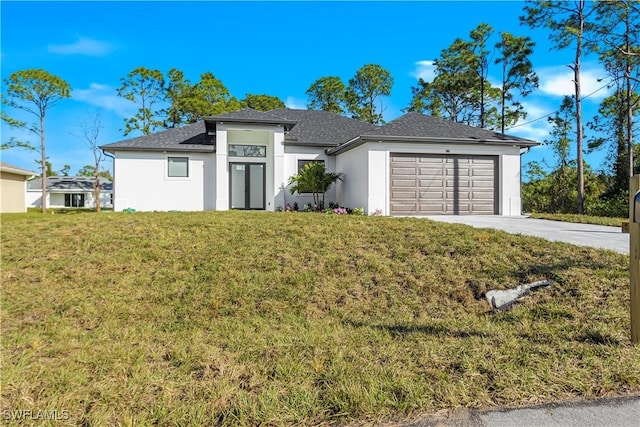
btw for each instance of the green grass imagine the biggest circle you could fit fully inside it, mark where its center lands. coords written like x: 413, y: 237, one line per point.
x: 255, y: 318
x: 66, y: 211
x: 583, y: 219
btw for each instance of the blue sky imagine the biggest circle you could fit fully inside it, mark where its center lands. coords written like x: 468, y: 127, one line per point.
x: 254, y: 47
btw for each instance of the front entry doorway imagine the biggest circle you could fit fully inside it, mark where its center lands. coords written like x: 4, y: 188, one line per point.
x: 247, y: 185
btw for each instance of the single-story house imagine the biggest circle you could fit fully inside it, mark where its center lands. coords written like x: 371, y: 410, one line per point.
x: 69, y: 192
x: 414, y: 165
x: 13, y: 187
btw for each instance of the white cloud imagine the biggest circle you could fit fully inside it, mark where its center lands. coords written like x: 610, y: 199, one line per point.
x: 83, y: 46
x: 295, y: 103
x: 105, y: 96
x: 531, y: 127
x: 424, y: 70
x: 558, y: 81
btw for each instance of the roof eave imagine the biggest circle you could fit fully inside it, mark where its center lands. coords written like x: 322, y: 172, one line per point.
x: 15, y: 171
x: 489, y: 141
x: 113, y: 150
x: 310, y: 143
x: 251, y: 121
x: 422, y: 139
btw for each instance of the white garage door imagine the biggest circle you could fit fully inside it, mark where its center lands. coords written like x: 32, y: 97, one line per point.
x: 425, y: 184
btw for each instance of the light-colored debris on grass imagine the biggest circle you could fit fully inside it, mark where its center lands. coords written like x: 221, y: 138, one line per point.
x: 503, y: 299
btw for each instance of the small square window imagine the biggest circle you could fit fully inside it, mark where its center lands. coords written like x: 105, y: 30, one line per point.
x: 302, y: 163
x: 178, y: 167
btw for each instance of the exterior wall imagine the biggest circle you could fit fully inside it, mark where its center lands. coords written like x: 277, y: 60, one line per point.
x: 33, y: 199
x: 56, y: 199
x: 141, y: 182
x: 371, y: 187
x: 353, y: 192
x: 270, y: 136
x: 12, y: 192
x: 291, y: 156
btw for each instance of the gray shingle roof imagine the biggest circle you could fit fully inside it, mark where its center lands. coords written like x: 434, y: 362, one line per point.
x: 317, y: 128
x: 186, y: 138
x: 69, y: 183
x: 416, y: 125
x: 321, y: 128
x: 249, y: 115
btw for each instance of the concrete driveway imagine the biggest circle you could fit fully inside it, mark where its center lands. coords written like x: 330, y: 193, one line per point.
x: 604, y: 412
x: 597, y: 236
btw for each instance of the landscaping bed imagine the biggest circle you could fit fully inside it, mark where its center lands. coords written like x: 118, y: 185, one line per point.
x: 253, y: 318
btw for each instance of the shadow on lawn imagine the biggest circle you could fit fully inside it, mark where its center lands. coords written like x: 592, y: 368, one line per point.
x: 436, y: 330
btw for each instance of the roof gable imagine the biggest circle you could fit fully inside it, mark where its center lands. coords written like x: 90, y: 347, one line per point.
x: 186, y: 138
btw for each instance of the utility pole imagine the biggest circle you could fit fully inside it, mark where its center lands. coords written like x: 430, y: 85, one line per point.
x: 634, y: 256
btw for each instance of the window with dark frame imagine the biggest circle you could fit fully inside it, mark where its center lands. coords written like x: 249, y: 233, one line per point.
x: 178, y: 167
x: 301, y: 165
x: 73, y: 200
x: 237, y: 150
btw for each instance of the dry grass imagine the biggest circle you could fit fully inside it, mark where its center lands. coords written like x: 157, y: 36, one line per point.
x: 257, y: 318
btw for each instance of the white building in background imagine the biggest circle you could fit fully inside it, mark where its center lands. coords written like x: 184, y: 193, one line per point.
x: 69, y: 192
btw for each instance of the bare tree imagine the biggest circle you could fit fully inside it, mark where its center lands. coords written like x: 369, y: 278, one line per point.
x: 88, y: 132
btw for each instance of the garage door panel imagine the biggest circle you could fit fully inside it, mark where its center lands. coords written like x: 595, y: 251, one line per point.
x: 460, y: 173
x: 453, y: 183
x: 483, y: 184
x: 403, y: 158
x: 443, y: 184
x: 403, y: 208
x: 481, y: 197
x: 431, y: 183
x: 435, y: 196
x: 460, y: 195
x: 431, y: 172
x: 482, y: 172
x: 432, y: 208
x: 404, y: 195
x: 403, y: 183
x: 403, y: 171
x: 431, y: 160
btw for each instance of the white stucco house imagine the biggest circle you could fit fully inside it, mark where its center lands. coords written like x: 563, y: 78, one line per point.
x: 69, y: 192
x: 414, y: 165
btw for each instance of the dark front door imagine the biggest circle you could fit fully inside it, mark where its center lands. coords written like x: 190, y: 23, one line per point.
x: 247, y: 185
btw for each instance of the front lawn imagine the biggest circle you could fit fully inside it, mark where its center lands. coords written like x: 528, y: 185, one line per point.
x: 226, y: 318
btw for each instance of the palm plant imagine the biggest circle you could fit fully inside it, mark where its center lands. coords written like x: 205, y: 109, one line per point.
x: 314, y: 179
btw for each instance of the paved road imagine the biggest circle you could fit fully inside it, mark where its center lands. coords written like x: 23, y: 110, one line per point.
x: 618, y: 412
x: 597, y: 236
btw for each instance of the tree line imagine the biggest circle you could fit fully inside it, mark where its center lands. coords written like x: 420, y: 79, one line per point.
x: 460, y: 91
x: 610, y: 31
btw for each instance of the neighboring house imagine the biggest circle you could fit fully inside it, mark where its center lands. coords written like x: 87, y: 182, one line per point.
x: 69, y: 192
x: 13, y: 188
x: 413, y: 165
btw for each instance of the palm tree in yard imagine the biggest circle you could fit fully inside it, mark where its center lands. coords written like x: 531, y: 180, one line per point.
x: 314, y: 179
